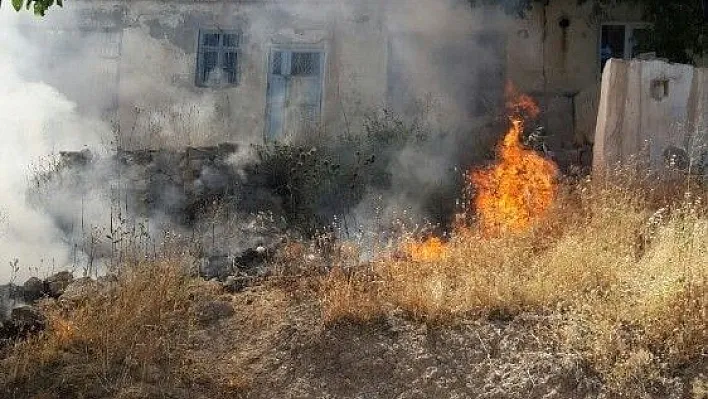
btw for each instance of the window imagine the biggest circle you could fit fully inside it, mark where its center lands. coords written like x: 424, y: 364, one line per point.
x: 659, y: 89
x: 305, y: 64
x: 623, y: 41
x: 295, y: 63
x: 218, y: 58
x: 294, y: 94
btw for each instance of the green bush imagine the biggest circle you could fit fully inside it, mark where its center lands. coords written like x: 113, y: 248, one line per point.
x: 318, y: 181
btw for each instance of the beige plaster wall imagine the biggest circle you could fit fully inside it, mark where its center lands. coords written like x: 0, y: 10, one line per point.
x: 650, y: 111
x: 161, y: 106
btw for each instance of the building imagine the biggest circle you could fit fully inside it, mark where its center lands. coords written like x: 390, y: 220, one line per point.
x: 179, y: 72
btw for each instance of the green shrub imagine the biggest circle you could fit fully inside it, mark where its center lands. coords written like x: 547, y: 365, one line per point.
x: 317, y: 181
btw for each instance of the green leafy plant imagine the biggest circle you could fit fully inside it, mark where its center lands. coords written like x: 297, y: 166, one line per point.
x: 318, y: 181
x: 39, y: 7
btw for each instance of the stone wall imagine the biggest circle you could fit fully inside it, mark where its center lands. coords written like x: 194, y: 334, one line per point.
x: 654, y: 112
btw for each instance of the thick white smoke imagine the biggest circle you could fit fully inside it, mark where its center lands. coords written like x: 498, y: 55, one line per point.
x: 36, y: 121
x: 439, y: 50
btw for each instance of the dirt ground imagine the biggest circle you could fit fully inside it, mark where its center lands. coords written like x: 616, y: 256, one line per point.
x: 276, y: 347
x: 271, y: 342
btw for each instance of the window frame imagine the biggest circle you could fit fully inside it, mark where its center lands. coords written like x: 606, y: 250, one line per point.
x: 629, y: 28
x: 321, y: 48
x: 221, y: 50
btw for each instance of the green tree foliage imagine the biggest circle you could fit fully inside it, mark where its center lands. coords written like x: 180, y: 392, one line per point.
x: 679, y: 28
x: 39, y: 7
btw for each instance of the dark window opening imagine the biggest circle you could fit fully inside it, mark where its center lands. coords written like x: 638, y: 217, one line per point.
x: 230, y: 40
x: 612, y: 43
x: 624, y: 41
x: 209, y: 61
x: 295, y: 63
x: 211, y: 39
x: 230, y: 62
x: 641, y: 41
x: 659, y: 89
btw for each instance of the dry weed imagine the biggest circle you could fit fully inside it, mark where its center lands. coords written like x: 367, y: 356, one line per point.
x: 629, y: 279
x: 118, y: 338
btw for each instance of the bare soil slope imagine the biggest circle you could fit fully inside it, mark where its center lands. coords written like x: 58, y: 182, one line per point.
x: 278, y: 347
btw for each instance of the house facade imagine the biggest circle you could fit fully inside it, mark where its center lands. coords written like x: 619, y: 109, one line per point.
x: 176, y: 73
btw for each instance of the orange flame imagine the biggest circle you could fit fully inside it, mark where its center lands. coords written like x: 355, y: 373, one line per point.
x: 521, y: 186
x: 511, y: 194
x: 430, y: 250
x: 520, y: 105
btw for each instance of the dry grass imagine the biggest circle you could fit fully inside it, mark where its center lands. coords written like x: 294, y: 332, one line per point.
x: 120, y: 340
x: 622, y: 272
x: 629, y: 280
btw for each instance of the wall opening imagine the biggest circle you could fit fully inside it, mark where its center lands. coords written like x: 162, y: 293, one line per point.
x: 659, y: 89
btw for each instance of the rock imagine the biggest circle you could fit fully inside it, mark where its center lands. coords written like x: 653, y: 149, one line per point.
x: 33, y: 289
x: 79, y: 289
x: 24, y: 321
x: 57, y: 283
x: 210, y: 312
x: 251, y: 257
x: 226, y: 149
x: 76, y: 158
x: 27, y: 317
x: 10, y: 297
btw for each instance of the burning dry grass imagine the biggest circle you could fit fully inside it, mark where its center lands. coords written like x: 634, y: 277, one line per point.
x: 116, y: 340
x: 616, y: 280
x: 629, y: 282
x: 521, y: 187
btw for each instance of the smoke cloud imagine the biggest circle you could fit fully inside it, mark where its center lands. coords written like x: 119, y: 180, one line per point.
x: 36, y: 122
x: 436, y: 64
